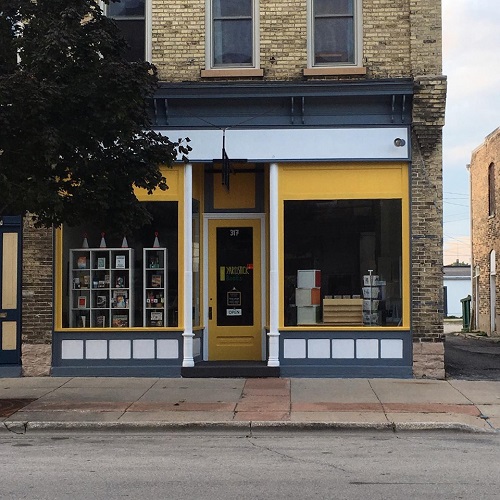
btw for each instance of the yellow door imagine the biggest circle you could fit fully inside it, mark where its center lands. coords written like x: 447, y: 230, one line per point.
x: 234, y: 288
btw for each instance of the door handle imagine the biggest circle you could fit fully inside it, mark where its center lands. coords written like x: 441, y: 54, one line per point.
x: 210, y: 313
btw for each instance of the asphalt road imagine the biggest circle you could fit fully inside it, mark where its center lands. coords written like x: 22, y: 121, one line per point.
x: 472, y: 358
x: 218, y: 466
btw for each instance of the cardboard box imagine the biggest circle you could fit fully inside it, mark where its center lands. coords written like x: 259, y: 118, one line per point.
x: 308, y: 315
x: 308, y: 278
x: 307, y: 296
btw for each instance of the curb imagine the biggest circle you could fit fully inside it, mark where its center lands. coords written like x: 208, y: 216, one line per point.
x: 247, y: 428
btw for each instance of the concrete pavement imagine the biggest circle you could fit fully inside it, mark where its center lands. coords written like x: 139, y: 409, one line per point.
x: 144, y: 403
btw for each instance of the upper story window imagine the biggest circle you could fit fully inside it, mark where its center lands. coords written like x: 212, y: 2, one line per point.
x: 491, y: 190
x: 334, y: 32
x: 232, y: 29
x: 131, y: 17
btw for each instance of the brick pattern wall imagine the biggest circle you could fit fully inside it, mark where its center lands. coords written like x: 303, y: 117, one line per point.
x: 392, y: 46
x: 37, y: 296
x: 485, y: 228
x: 426, y: 226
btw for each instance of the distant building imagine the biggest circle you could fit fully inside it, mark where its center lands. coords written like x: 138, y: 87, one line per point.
x: 485, y: 216
x: 457, y: 285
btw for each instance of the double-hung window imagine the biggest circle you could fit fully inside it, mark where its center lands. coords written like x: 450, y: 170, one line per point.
x: 334, y: 33
x: 131, y: 17
x: 232, y: 40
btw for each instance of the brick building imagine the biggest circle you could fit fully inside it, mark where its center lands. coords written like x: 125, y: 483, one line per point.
x: 305, y: 234
x: 484, y: 185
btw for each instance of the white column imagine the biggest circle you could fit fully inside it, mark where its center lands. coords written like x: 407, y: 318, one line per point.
x: 274, y: 296
x: 188, y: 266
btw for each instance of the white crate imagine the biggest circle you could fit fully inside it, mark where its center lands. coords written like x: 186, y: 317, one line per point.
x: 308, y: 315
x: 308, y: 278
x: 307, y: 296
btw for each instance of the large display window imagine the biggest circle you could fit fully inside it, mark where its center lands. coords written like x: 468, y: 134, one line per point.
x: 343, y: 262
x: 112, y: 280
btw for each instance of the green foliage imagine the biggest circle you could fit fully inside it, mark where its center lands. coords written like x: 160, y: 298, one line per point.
x: 74, y: 131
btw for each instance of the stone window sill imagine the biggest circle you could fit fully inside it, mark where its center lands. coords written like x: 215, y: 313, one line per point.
x: 234, y: 72
x: 344, y: 70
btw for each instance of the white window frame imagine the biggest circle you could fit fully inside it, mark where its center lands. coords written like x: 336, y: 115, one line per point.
x: 358, y: 38
x: 209, y: 62
x: 148, y: 49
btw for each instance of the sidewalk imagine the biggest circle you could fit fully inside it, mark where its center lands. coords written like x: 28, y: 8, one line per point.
x: 28, y: 404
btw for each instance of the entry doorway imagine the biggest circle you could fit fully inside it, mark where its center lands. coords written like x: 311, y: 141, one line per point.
x: 234, y: 294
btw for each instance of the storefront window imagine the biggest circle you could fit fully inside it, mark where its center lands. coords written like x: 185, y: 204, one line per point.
x: 343, y: 263
x: 122, y: 281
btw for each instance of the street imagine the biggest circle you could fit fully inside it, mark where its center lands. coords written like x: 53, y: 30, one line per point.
x: 224, y: 465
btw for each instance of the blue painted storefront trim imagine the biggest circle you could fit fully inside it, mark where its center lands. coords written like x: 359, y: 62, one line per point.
x: 115, y: 367
x: 10, y: 371
x: 352, y: 367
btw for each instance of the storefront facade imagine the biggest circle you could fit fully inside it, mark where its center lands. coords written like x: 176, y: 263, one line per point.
x: 304, y: 234
x: 224, y: 271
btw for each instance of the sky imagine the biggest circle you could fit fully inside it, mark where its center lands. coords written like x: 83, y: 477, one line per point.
x: 471, y: 61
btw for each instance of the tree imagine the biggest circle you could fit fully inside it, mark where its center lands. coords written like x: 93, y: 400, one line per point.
x: 75, y: 137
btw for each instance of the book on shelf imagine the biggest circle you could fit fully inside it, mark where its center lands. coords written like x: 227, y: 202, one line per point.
x: 120, y: 262
x: 102, y: 301
x: 82, y: 302
x: 154, y: 300
x: 101, y: 262
x: 154, y: 262
x: 120, y: 299
x: 156, y: 318
x: 156, y: 281
x: 119, y: 320
x: 81, y: 262
x: 85, y: 282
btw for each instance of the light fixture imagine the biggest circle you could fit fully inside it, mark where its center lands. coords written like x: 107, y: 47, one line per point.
x: 399, y: 143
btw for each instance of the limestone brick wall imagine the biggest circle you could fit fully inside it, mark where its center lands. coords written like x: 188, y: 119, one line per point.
x: 401, y: 38
x: 37, y: 295
x: 426, y: 226
x: 485, y: 228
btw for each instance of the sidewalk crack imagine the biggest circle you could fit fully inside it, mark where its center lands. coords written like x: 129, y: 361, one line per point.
x: 393, y: 424
x: 138, y: 399
x: 481, y: 415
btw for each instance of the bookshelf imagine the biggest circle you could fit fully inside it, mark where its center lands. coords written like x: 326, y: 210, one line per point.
x: 101, y: 287
x: 155, y: 280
